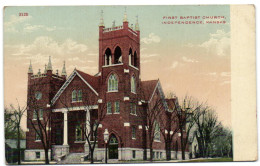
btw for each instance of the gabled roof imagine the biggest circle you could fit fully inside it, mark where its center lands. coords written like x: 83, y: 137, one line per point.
x: 148, y: 88
x: 90, y: 81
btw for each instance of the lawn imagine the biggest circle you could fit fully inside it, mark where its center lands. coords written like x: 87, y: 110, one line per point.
x: 211, y: 160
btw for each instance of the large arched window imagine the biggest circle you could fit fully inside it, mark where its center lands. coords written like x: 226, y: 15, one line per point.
x: 157, y: 135
x: 112, y: 83
x: 133, y: 84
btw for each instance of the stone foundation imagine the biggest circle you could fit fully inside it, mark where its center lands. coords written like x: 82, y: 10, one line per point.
x: 30, y: 154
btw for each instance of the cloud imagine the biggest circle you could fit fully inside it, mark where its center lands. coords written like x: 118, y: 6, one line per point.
x: 45, y: 46
x: 9, y: 25
x: 152, y: 38
x: 149, y: 55
x: 174, y: 64
x: 185, y: 59
x: 219, y: 43
x: 31, y: 28
x: 146, y: 61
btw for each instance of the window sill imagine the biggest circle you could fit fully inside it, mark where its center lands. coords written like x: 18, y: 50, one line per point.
x: 118, y: 64
x: 109, y: 113
x: 112, y: 91
x: 76, y: 101
x: 79, y: 142
x: 37, y: 141
x: 39, y: 119
x: 157, y: 140
x: 133, y: 138
x: 133, y: 92
x: 117, y: 113
x: 133, y: 114
x: 134, y: 67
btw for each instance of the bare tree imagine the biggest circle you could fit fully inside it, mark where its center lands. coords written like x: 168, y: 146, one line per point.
x: 15, y: 115
x: 206, y: 123
x: 150, y: 115
x: 169, y: 125
x: 40, y: 119
x: 187, y: 114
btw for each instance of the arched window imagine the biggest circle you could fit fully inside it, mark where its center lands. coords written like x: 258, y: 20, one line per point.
x: 157, y: 135
x: 108, y: 57
x: 112, y: 83
x: 133, y: 84
x: 130, y: 56
x: 118, y: 55
x: 135, y: 59
x: 80, y: 95
x: 74, y: 95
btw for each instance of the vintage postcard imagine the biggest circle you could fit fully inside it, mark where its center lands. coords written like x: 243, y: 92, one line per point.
x: 129, y: 84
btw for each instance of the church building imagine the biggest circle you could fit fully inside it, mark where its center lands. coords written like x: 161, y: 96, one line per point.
x: 115, y: 97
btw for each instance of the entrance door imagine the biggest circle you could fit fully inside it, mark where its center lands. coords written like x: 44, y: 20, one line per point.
x: 113, y: 148
x: 58, y: 136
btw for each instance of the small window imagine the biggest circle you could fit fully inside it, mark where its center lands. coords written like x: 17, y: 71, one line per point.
x: 160, y: 155
x: 78, y: 133
x: 117, y: 108
x: 41, y: 114
x: 157, y: 154
x: 74, y: 96
x: 133, y: 86
x: 133, y: 108
x: 80, y: 95
x: 112, y: 83
x: 37, y: 137
x: 133, y: 133
x: 153, y: 155
x: 157, y: 135
x: 38, y: 155
x: 133, y: 154
x: 34, y: 114
x: 109, y: 109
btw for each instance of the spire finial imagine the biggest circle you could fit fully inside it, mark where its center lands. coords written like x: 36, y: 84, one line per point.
x: 114, y: 24
x: 63, y: 72
x: 45, y: 69
x: 101, y: 24
x: 39, y: 72
x: 30, y: 70
x: 49, y: 67
x: 125, y: 16
x: 137, y: 24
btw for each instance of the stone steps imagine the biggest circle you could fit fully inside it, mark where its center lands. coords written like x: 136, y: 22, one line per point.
x: 72, y: 158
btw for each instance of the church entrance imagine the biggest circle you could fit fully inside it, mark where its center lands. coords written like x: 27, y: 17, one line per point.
x: 113, y: 148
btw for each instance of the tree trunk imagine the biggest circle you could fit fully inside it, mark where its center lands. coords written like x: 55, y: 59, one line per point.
x: 151, y: 153
x: 18, y: 145
x: 182, y: 146
x: 92, y: 156
x: 46, y: 156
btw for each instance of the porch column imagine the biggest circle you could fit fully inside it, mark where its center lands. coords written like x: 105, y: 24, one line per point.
x: 65, y: 127
x: 87, y: 123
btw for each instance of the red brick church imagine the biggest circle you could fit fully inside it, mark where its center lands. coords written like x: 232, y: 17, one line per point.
x: 116, y: 94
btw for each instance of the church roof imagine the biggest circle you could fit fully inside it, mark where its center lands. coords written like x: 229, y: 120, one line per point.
x: 148, y: 88
x: 92, y: 80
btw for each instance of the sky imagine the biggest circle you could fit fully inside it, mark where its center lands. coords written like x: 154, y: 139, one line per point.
x: 189, y: 59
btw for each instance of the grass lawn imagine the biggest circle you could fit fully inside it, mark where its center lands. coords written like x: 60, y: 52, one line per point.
x: 211, y: 160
